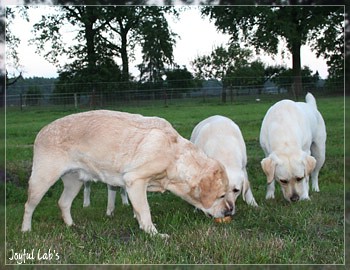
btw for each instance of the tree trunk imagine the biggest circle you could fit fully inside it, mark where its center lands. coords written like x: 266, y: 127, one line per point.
x: 124, y: 55
x: 297, y: 83
x: 89, y: 37
x: 295, y: 42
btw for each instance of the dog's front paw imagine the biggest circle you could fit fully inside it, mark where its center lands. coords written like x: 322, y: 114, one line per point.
x: 109, y: 213
x: 163, y: 235
x: 253, y: 203
x: 315, y: 188
x: 305, y: 198
x: 26, y: 228
x: 270, y: 196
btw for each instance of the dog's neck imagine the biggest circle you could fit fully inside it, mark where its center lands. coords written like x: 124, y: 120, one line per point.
x: 186, y: 172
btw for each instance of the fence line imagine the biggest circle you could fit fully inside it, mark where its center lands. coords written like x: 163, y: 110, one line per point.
x: 110, y: 95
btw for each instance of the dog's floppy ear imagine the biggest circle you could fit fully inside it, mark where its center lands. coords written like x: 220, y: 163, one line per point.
x: 310, y: 164
x: 268, y: 165
x: 208, y: 188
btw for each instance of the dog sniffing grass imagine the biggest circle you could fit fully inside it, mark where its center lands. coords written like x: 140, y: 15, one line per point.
x: 278, y: 232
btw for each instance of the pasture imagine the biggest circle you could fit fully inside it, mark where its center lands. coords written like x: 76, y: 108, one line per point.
x: 278, y: 232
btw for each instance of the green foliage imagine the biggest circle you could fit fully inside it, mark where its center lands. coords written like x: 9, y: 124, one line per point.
x: 75, y: 81
x: 263, y: 27
x: 23, y: 85
x: 221, y: 61
x: 104, y: 32
x: 329, y: 41
x: 284, y: 78
x: 157, y: 43
x: 252, y: 74
x: 180, y: 79
x: 12, y: 41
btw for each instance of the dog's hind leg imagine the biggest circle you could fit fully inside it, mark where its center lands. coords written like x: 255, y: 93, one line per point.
x: 39, y: 184
x: 111, y: 200
x: 124, y: 196
x: 318, y: 152
x: 87, y: 191
x: 72, y: 185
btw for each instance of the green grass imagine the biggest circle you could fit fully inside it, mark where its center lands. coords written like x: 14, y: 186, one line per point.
x: 277, y: 232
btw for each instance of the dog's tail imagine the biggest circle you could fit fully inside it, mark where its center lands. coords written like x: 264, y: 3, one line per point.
x: 310, y: 99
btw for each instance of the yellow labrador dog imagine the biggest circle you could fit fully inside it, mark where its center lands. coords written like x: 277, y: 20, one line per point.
x: 128, y: 150
x: 293, y: 137
x: 220, y: 138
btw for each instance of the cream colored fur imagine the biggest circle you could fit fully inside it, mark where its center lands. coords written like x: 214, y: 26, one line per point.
x: 293, y: 137
x: 220, y: 138
x: 137, y: 153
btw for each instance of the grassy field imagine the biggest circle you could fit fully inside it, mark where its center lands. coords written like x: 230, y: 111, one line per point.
x: 278, y: 232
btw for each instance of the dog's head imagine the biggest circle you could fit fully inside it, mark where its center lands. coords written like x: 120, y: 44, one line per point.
x: 201, y: 181
x: 291, y: 171
x: 212, y: 194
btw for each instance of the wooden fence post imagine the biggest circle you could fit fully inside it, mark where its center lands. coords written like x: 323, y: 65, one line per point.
x: 75, y: 101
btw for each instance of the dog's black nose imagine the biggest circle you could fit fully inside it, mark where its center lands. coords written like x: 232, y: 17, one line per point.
x: 230, y: 210
x: 294, y: 198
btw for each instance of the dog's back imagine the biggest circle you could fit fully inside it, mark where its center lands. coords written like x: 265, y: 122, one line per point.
x: 292, y: 122
x: 314, y: 117
x: 221, y: 139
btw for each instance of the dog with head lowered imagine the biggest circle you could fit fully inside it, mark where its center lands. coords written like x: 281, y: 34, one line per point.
x: 293, y: 137
x: 221, y: 138
x: 135, y: 152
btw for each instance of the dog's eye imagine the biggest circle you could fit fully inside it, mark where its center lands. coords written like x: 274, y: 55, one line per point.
x: 299, y: 179
x: 283, y: 181
x: 235, y: 190
x: 222, y: 196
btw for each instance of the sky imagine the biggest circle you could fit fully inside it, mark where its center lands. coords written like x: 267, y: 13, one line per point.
x: 197, y: 36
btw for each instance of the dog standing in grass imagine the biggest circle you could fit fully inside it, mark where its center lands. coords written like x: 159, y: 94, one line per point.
x: 293, y: 137
x: 220, y: 138
x: 137, y: 153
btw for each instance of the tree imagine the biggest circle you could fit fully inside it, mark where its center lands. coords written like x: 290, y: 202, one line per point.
x: 88, y: 50
x: 251, y: 75
x: 180, y: 79
x: 103, y: 32
x: 146, y: 26
x: 263, y: 27
x: 12, y: 41
x: 75, y: 81
x: 283, y: 77
x: 220, y: 62
x: 157, y: 45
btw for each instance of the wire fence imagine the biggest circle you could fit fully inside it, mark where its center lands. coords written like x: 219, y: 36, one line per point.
x: 115, y: 95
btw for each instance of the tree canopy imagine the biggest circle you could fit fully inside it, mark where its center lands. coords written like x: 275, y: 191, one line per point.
x: 105, y: 33
x: 218, y: 63
x: 263, y: 27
